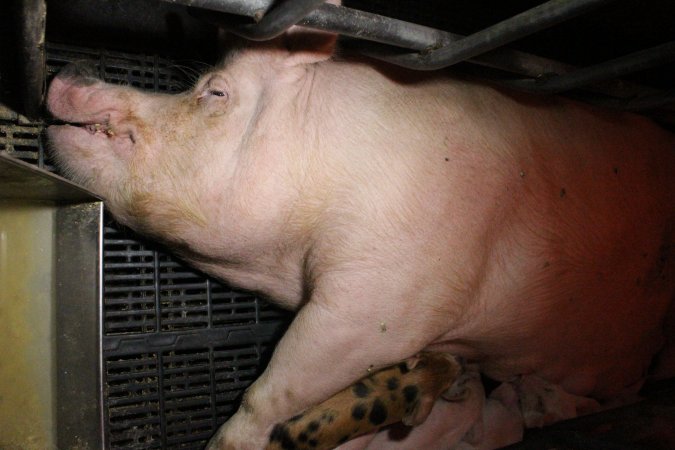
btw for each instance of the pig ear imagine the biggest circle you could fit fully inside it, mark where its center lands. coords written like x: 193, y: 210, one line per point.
x: 296, y: 46
x: 308, y: 46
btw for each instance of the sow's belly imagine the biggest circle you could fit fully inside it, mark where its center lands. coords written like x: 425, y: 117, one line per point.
x: 594, y: 334
x: 578, y: 273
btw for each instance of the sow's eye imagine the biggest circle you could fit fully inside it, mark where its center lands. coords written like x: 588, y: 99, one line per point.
x: 213, y: 95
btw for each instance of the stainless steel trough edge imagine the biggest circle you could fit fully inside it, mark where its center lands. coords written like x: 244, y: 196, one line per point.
x: 50, y: 311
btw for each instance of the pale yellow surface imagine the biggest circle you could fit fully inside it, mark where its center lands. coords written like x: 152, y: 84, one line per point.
x: 27, y: 365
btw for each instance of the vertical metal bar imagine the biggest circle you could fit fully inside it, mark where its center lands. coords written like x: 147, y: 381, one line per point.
x: 78, y: 270
x: 158, y: 299
x: 33, y: 15
x: 160, y: 397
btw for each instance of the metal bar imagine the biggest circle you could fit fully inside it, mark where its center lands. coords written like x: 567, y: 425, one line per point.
x: 614, y: 68
x: 642, y: 102
x: 373, y: 27
x: 385, y: 30
x: 277, y: 20
x: 653, y: 101
x: 518, y: 26
x: 398, y: 35
x: 32, y: 55
x: 248, y: 8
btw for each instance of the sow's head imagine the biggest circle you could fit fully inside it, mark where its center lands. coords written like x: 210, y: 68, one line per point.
x: 165, y: 163
x: 139, y: 149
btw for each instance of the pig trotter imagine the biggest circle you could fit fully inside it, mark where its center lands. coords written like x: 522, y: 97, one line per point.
x: 403, y: 392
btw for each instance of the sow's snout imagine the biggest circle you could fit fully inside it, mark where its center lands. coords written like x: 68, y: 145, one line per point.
x: 78, y: 74
x: 97, y: 117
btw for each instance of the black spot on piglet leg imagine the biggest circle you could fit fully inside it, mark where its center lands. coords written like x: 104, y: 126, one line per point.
x: 359, y: 411
x: 313, y: 427
x: 410, y: 393
x: 281, y: 435
x: 378, y: 414
x: 361, y: 390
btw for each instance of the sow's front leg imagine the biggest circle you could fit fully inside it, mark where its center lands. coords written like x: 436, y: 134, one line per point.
x: 404, y: 393
x: 351, y: 326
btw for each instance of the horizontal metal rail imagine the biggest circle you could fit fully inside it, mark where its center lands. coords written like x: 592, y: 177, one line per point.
x: 509, y: 30
x: 277, y: 20
x: 388, y: 39
x: 634, y: 62
x: 641, y: 103
x: 376, y: 28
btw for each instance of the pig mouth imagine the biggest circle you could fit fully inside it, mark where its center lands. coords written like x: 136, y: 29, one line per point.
x: 91, y: 135
x: 95, y: 128
x: 98, y: 128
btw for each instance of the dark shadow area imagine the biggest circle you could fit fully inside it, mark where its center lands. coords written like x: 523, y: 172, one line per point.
x: 9, y: 32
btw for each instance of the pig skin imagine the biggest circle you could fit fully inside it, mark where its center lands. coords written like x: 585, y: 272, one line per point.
x: 395, y: 212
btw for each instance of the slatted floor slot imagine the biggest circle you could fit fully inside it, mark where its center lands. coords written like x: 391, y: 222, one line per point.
x: 133, y: 401
x: 188, y: 407
x: 235, y: 369
x: 129, y: 285
x: 183, y: 297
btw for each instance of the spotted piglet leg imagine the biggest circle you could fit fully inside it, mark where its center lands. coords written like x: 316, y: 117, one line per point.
x: 404, y: 392
x: 449, y: 421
